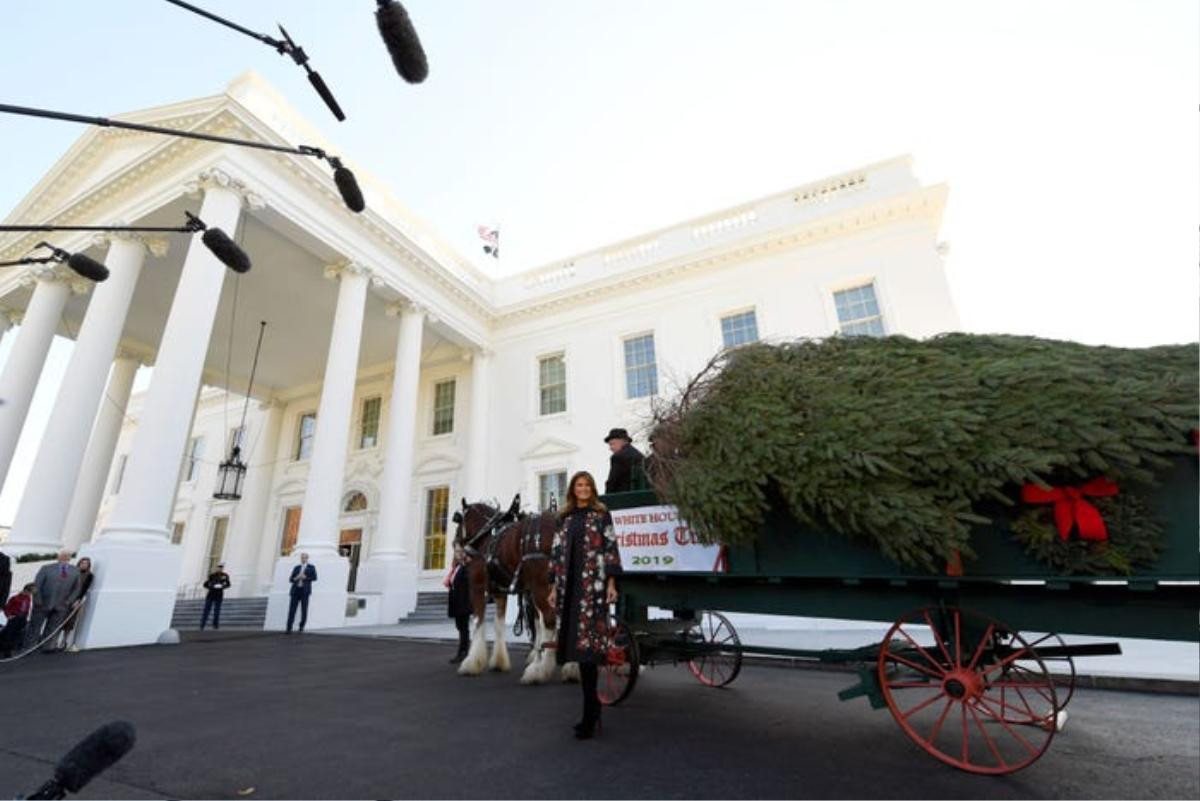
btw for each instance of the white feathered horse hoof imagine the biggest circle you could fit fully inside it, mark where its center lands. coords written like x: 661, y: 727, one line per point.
x: 570, y: 672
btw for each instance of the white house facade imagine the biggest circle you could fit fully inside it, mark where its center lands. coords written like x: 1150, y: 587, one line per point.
x: 395, y: 378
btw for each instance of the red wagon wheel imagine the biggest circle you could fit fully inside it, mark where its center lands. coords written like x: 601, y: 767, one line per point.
x: 948, y: 677
x: 618, y: 674
x: 718, y: 667
x: 1063, y: 678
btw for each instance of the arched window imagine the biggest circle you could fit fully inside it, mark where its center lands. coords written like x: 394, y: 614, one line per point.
x: 355, y: 502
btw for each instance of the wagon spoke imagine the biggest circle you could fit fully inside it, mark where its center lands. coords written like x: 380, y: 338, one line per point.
x: 922, y: 705
x: 1041, y: 640
x: 937, y: 727
x: 983, y: 707
x: 1037, y: 685
x: 1008, y: 660
x: 937, y: 637
x: 922, y: 651
x: 920, y: 668
x: 987, y: 738
x: 1018, y: 686
x: 966, y: 739
x: 1029, y: 711
x: 982, y: 642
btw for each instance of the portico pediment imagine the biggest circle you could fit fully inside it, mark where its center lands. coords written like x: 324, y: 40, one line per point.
x: 551, y: 446
x: 438, y: 463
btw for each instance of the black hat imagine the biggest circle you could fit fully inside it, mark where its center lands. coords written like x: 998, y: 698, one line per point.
x: 618, y: 433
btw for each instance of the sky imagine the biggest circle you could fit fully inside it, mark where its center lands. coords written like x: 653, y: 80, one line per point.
x: 1067, y: 132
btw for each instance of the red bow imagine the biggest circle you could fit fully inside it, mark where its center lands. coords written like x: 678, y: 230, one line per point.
x: 1072, y: 509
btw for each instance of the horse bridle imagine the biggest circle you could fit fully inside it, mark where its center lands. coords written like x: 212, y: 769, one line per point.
x: 488, y: 527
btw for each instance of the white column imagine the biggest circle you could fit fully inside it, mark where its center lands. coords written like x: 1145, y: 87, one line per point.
x: 52, y: 286
x: 137, y: 570
x: 38, y: 526
x: 318, y: 536
x: 477, y: 451
x: 391, y: 569
x: 97, y: 462
x: 245, y: 539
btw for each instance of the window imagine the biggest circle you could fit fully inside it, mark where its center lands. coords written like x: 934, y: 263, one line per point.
x: 552, y: 384
x: 641, y: 371
x: 355, y: 502
x: 237, y: 438
x: 368, y: 430
x: 443, y: 407
x: 437, y: 504
x: 739, y: 329
x: 216, y: 546
x: 858, y: 311
x: 291, y: 530
x: 551, y: 485
x: 119, y: 473
x: 191, y: 468
x: 304, y: 435
x: 177, y: 532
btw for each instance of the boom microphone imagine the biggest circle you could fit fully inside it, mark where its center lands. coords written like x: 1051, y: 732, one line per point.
x: 87, y: 267
x: 95, y: 754
x: 401, y: 40
x: 226, y: 250
x: 347, y: 185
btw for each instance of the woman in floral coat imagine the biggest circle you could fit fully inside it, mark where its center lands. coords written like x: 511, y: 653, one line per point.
x: 586, y: 563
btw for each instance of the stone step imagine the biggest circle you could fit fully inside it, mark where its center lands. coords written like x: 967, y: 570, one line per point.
x: 235, y: 613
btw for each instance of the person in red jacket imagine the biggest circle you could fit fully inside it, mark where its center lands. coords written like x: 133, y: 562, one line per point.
x: 16, y: 613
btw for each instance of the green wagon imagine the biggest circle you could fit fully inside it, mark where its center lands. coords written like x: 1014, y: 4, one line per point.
x: 955, y: 670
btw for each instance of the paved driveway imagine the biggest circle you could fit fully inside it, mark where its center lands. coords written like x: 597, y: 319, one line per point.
x: 335, y: 717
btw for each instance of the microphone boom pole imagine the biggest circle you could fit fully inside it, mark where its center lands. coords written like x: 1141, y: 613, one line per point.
x: 345, y: 180
x: 287, y: 47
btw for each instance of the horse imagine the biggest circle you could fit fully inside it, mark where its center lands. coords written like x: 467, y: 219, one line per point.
x: 509, y: 553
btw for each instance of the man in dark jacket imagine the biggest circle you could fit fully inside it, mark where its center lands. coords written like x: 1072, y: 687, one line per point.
x: 459, y: 602
x: 5, y: 577
x: 303, y: 575
x: 626, y: 466
x: 216, y: 584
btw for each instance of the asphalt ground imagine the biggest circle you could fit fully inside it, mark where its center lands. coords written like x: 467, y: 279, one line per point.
x: 311, y: 716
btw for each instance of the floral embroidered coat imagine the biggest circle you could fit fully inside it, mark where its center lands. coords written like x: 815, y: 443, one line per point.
x: 583, y: 557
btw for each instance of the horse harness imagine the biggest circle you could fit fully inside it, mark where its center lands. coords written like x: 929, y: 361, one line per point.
x: 528, y: 533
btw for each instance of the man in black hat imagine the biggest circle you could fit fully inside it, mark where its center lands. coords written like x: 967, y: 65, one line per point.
x: 626, y: 465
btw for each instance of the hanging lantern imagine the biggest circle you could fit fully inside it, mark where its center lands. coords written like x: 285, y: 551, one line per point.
x: 231, y: 473
x: 230, y: 477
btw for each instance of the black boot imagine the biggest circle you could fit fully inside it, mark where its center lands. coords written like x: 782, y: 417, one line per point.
x: 586, y: 728
x: 462, y: 652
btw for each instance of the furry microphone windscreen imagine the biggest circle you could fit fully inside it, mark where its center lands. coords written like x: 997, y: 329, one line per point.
x: 98, y: 752
x: 401, y: 40
x: 226, y: 250
x: 87, y: 267
x: 347, y: 185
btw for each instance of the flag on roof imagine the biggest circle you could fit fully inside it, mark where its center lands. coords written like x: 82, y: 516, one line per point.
x: 492, y: 237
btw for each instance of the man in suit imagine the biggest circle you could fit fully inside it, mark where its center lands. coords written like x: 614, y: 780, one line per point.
x: 625, y: 470
x: 55, y: 588
x: 216, y: 584
x: 303, y: 575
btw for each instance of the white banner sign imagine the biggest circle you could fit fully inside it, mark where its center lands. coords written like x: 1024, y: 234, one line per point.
x: 654, y: 538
